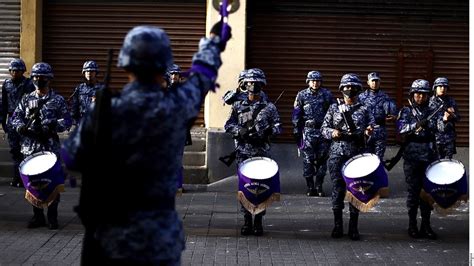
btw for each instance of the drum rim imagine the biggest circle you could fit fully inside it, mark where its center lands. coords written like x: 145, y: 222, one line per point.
x: 353, y: 158
x: 33, y: 155
x: 258, y: 158
x: 445, y: 160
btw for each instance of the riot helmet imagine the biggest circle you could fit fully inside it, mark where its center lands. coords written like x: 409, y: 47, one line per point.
x: 17, y: 64
x: 255, y: 75
x: 421, y: 86
x: 42, y: 69
x: 90, y: 66
x: 173, y: 69
x: 350, y: 80
x: 314, y: 75
x: 441, y: 81
x: 146, y: 49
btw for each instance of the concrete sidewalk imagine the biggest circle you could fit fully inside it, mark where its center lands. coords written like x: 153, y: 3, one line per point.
x: 297, y: 232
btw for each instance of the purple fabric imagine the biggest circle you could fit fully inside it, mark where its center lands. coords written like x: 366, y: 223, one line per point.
x: 206, y: 71
x: 258, y: 190
x: 43, y: 184
x: 365, y: 188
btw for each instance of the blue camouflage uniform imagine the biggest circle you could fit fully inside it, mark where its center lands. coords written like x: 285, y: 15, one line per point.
x: 84, y: 93
x: 149, y: 130
x: 267, y: 123
x: 380, y: 105
x: 82, y: 98
x: 12, y: 92
x: 53, y: 114
x: 309, y: 110
x: 251, y: 124
x: 344, y: 148
x: 419, y: 152
x: 38, y: 119
x: 445, y: 141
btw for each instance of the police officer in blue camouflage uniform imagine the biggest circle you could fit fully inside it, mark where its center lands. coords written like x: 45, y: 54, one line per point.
x: 148, y: 126
x: 347, y: 141
x: 310, y: 107
x: 419, y: 152
x: 173, y: 80
x: 38, y: 118
x: 84, y: 93
x: 251, y: 123
x: 12, y: 91
x: 383, y: 109
x: 173, y: 76
x: 445, y: 141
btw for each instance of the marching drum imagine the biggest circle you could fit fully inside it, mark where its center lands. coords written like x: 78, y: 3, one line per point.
x: 366, y: 180
x: 445, y: 183
x: 259, y: 183
x: 43, y: 178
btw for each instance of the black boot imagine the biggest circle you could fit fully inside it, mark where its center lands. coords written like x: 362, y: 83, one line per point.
x: 16, y: 180
x: 319, y: 191
x: 425, y: 228
x: 38, y: 219
x: 257, y: 225
x: 53, y: 214
x: 412, y: 227
x: 311, y: 191
x: 337, y: 232
x: 353, y: 222
x: 247, y: 228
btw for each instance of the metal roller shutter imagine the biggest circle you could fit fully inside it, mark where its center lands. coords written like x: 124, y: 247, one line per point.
x: 9, y: 35
x: 76, y: 32
x: 403, y: 40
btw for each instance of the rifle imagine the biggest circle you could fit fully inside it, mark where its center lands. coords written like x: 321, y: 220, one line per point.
x: 348, y: 134
x: 92, y: 207
x: 445, y: 108
x: 390, y: 163
x: 347, y: 120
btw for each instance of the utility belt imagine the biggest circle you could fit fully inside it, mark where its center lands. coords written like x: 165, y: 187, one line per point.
x: 312, y: 124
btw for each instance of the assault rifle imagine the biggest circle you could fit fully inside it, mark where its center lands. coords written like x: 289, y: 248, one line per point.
x: 390, y: 163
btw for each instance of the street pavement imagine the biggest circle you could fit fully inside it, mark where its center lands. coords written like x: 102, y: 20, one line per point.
x: 297, y: 232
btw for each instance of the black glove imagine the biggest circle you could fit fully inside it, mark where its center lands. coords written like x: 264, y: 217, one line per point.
x: 22, y: 130
x: 297, y: 137
x: 422, y: 123
x: 243, y: 132
x: 217, y: 30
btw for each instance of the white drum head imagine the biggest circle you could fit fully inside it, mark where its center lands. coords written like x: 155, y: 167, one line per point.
x: 361, y: 165
x: 37, y: 164
x: 259, y: 168
x: 445, y: 172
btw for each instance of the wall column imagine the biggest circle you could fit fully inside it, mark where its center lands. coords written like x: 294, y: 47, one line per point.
x: 233, y: 58
x: 31, y: 36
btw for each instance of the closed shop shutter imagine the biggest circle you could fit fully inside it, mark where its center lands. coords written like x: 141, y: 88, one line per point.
x: 80, y: 31
x: 9, y: 35
x: 402, y: 40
